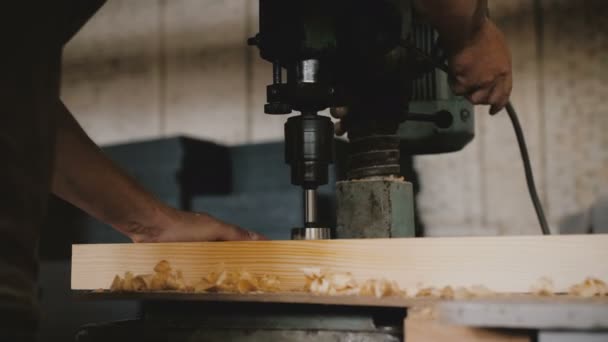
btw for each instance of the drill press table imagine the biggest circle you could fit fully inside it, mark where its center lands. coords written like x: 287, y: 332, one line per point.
x: 180, y: 317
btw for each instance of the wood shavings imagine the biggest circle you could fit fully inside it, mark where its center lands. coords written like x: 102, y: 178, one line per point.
x: 591, y: 287
x: 447, y: 293
x: 544, y: 287
x: 312, y: 272
x: 381, y: 288
x: 450, y: 293
x: 162, y: 267
x: 142, y: 282
x: 204, y: 286
x: 221, y: 280
x: 481, y: 291
x: 241, y: 282
x: 463, y: 293
x: 316, y: 281
x: 127, y: 282
x: 227, y: 281
x: 322, y: 283
x: 177, y: 283
x: 342, y: 281
x: 443, y: 293
x: 319, y: 286
x: 427, y: 292
x: 269, y: 283
x: 247, y: 283
x: 116, y: 284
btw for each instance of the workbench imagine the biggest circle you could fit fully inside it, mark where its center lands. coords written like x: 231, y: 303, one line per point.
x: 279, y: 317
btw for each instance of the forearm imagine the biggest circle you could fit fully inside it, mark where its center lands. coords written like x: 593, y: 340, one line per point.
x: 456, y: 21
x: 85, y: 177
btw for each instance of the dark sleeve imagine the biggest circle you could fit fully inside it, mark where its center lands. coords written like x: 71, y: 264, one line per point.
x: 29, y: 90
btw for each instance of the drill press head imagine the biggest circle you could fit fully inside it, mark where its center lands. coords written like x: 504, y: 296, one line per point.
x: 357, y: 54
x: 336, y: 53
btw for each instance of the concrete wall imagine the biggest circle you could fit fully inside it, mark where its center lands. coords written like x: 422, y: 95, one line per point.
x: 150, y: 68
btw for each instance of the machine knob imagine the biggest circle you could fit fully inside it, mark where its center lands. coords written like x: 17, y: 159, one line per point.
x: 277, y: 108
x: 254, y: 41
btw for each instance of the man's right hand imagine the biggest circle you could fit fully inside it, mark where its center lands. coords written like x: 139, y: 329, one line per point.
x: 481, y: 68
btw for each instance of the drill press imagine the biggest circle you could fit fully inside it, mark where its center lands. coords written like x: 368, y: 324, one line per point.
x: 334, y: 53
x: 351, y: 53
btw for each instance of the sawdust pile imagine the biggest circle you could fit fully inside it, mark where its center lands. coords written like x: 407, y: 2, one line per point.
x: 544, y: 287
x: 320, y: 282
x: 448, y: 292
x: 326, y: 283
x: 591, y: 287
x: 166, y: 279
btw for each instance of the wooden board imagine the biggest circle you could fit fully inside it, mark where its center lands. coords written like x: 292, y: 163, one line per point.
x: 503, y: 264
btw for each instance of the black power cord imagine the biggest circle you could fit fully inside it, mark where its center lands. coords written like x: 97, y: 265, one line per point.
x: 521, y: 141
x: 523, y: 149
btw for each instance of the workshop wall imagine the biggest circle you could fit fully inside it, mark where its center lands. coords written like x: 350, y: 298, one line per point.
x: 142, y: 69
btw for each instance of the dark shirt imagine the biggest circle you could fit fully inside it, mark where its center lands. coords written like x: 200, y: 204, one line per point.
x: 32, y: 35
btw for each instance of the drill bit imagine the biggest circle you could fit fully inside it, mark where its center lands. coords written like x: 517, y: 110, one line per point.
x: 311, y: 229
x: 310, y: 206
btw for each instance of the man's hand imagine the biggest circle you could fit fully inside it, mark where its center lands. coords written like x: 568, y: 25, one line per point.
x: 478, y: 56
x: 85, y: 177
x: 481, y: 68
x: 480, y: 62
x: 172, y: 225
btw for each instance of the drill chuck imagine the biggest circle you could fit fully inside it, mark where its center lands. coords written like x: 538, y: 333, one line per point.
x: 309, y: 149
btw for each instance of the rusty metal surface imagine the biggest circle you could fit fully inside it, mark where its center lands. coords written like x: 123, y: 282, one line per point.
x: 375, y: 208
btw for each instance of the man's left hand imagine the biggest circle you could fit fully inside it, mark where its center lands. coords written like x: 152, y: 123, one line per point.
x: 172, y: 225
